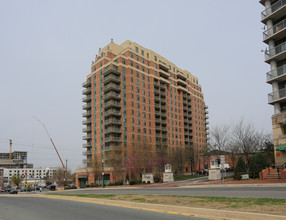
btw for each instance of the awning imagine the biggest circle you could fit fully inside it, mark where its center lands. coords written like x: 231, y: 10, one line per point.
x: 82, y: 177
x: 281, y: 148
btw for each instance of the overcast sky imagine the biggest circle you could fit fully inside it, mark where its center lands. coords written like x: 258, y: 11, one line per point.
x: 46, y: 49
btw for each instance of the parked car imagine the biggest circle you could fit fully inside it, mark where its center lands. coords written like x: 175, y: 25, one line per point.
x: 2, y: 190
x: 7, y: 190
x: 203, y: 172
x: 13, y: 191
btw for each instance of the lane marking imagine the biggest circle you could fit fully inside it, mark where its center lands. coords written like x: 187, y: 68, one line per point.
x: 130, y: 207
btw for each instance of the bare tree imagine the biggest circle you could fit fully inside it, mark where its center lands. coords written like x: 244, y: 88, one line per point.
x: 220, y: 137
x: 248, y: 139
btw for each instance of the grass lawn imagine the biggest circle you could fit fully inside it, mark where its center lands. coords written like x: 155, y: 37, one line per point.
x: 260, y: 205
x: 186, y: 177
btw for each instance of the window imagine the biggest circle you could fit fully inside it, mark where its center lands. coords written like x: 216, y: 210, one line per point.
x: 132, y: 103
x: 136, y: 49
x: 137, y: 73
x: 142, y: 52
x: 137, y: 89
x: 131, y: 71
x: 137, y: 82
x: 138, y: 113
x: 131, y: 55
x: 138, y: 98
x: 143, y: 69
x: 137, y: 66
x: 131, y: 79
x: 138, y: 105
x: 144, y: 114
x: 123, y: 61
x: 138, y: 129
x: 131, y: 63
x: 137, y: 58
x: 155, y: 58
x: 132, y: 96
x: 132, y: 111
x: 143, y: 90
x: 132, y: 128
x: 138, y: 121
x: 144, y: 122
x: 132, y: 87
x: 132, y: 119
x: 147, y: 55
x: 155, y: 65
x: 143, y: 76
x: 143, y: 83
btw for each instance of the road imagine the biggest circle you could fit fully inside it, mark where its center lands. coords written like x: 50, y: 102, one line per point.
x: 27, y: 208
x: 233, y: 191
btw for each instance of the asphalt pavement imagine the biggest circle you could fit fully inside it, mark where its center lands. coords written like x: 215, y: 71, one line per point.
x: 27, y: 208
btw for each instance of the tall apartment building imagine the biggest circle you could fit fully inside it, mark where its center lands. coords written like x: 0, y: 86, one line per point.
x: 134, y: 94
x: 274, y: 19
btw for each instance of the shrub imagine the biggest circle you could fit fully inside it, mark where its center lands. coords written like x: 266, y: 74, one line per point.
x: 257, y: 163
x: 148, y: 182
x: 240, y: 166
x: 157, y: 178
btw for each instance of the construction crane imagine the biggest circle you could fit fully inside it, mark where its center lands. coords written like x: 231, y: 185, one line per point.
x: 51, y: 141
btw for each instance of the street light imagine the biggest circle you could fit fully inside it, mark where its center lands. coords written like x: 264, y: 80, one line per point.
x: 102, y: 173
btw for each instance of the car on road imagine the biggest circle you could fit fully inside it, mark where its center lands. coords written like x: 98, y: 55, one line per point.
x: 203, y: 172
x: 2, y: 190
x: 13, y: 191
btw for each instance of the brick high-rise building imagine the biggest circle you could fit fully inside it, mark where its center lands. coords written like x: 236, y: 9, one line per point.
x: 274, y: 19
x: 132, y: 95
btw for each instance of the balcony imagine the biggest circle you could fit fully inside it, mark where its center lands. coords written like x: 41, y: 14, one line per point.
x: 157, y: 113
x: 275, y: 11
x: 206, y: 112
x: 87, y: 83
x: 182, y: 82
x: 111, y: 78
x: 206, y: 107
x: 164, y: 73
x: 111, y: 104
x: 87, y: 145
x: 277, y: 32
x: 156, y: 83
x: 86, y: 114
x: 86, y: 98
x: 182, y: 87
x: 111, y: 86
x: 278, y: 74
x: 181, y: 76
x: 86, y: 91
x: 163, y: 65
x: 86, y: 137
x: 86, y: 106
x: 112, y: 121
x: 87, y: 161
x: 87, y: 129
x: 112, y: 139
x: 207, y: 128
x: 156, y: 91
x: 207, y: 117
x: 163, y: 114
x: 111, y: 95
x: 111, y: 69
x: 112, y: 130
x: 112, y: 112
x: 277, y: 53
x: 112, y: 148
x: 85, y: 153
x: 277, y: 96
x: 87, y: 121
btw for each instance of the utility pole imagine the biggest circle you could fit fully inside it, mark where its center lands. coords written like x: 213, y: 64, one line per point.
x: 10, y: 154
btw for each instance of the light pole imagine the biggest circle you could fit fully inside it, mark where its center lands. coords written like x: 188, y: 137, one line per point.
x: 102, y: 164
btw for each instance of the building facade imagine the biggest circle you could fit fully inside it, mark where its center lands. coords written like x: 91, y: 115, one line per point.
x: 133, y: 96
x: 274, y: 19
x: 34, y: 176
x: 18, y: 160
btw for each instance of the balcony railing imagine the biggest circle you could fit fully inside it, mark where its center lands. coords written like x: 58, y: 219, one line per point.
x: 111, y: 78
x: 86, y: 114
x: 280, y: 71
x: 87, y: 83
x: 112, y: 130
x: 86, y: 145
x: 86, y: 106
x: 268, y: 11
x: 87, y: 121
x: 111, y: 103
x: 275, y: 51
x: 112, y: 121
x: 86, y: 98
x: 86, y: 91
x: 88, y: 152
x: 86, y: 137
x: 111, y: 86
x: 111, y: 139
x: 112, y: 112
x: 277, y: 95
x: 276, y: 28
x: 109, y: 69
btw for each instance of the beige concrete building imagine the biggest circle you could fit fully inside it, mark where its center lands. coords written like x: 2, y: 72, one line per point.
x: 274, y: 19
